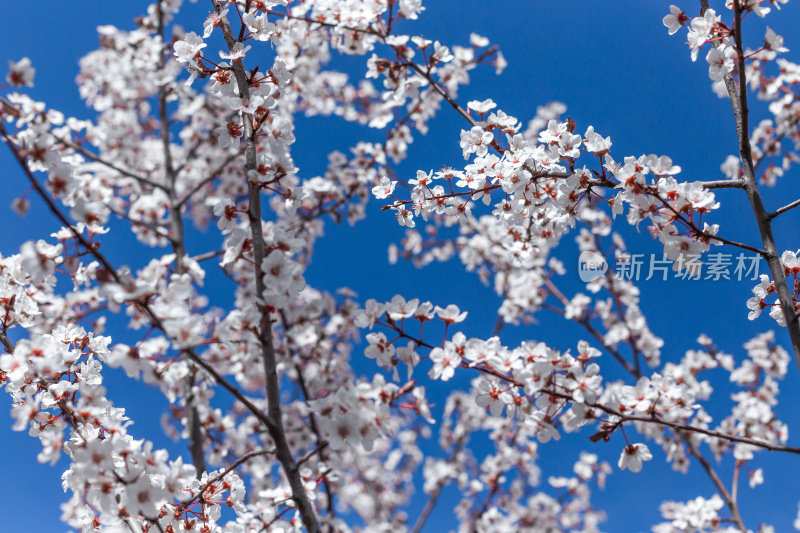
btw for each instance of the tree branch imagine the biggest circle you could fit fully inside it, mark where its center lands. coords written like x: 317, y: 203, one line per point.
x: 178, y: 247
x: 434, y: 496
x: 783, y: 209
x: 143, y: 305
x: 7, y: 344
x: 738, y: 98
x: 97, y: 159
x: 712, y: 474
x: 312, y: 421
x: 283, y: 452
x: 723, y: 184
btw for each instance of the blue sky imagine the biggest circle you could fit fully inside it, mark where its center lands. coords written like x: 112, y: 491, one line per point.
x: 615, y: 67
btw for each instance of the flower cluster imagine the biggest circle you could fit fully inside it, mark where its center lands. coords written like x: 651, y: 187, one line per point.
x: 307, y: 410
x: 765, y: 288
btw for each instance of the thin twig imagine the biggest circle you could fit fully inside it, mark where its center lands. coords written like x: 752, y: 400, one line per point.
x: 208, y: 179
x: 321, y: 446
x: 309, y: 21
x: 86, y: 153
x: 783, y: 209
x: 97, y: 159
x: 208, y: 255
x: 608, y: 410
x: 437, y: 490
x: 712, y: 474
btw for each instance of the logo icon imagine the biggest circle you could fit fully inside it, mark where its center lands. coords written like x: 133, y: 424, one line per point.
x: 591, y: 265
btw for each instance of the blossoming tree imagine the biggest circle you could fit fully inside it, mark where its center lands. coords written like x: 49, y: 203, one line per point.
x: 306, y: 408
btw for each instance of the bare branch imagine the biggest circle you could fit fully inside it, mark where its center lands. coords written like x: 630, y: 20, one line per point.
x: 97, y: 159
x: 7, y: 344
x: 208, y: 255
x: 783, y: 209
x: 723, y: 184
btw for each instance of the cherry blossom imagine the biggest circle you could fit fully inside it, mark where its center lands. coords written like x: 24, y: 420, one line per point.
x: 311, y: 408
x: 675, y: 19
x: 720, y: 62
x: 20, y: 73
x: 632, y: 457
x: 384, y: 189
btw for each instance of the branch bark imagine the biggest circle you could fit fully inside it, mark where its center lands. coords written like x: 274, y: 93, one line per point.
x: 179, y: 248
x: 314, y: 426
x: 738, y: 98
x: 276, y: 429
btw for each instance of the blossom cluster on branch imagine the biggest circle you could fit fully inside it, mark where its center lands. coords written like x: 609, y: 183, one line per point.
x: 314, y: 409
